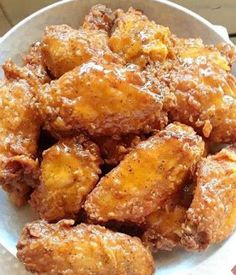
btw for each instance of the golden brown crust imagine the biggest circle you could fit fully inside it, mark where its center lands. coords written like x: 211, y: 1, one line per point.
x: 148, y: 175
x: 18, y: 176
x: 138, y: 40
x: 211, y: 217
x: 64, y: 48
x: 205, y: 93
x: 164, y: 228
x: 118, y: 79
x: 83, y: 249
x: 19, y: 124
x: 69, y: 171
x: 229, y: 51
x: 33, y: 60
x: 193, y: 50
x: 100, y: 99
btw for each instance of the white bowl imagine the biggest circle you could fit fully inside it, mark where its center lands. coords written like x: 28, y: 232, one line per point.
x: 217, y: 259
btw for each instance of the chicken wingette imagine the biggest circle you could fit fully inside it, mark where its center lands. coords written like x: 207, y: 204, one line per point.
x: 139, y: 40
x: 211, y: 217
x: 205, y: 91
x: 101, y: 100
x: 69, y: 171
x: 83, y: 249
x: 19, y: 130
x: 64, y: 48
x: 152, y: 172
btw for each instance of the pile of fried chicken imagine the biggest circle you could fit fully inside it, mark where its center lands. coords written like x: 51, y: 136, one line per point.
x: 107, y: 131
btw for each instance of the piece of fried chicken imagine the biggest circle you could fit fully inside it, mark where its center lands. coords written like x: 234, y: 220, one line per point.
x: 211, y: 217
x: 139, y: 40
x: 152, y: 172
x: 69, y: 171
x: 83, y: 249
x: 19, y: 131
x: 64, y: 48
x: 204, y: 89
x: 101, y: 99
x: 206, y: 100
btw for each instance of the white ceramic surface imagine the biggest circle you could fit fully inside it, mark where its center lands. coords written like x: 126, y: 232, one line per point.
x: 217, y: 259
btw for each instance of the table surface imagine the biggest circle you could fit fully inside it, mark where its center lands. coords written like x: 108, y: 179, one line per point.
x: 220, y: 12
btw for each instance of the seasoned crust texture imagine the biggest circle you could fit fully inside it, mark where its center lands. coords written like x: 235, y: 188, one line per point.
x: 147, y: 176
x: 83, y: 249
x: 100, y: 99
x: 64, y: 48
x: 69, y: 171
x: 211, y: 217
x: 19, y: 130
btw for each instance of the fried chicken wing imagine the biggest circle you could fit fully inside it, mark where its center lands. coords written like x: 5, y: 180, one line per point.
x: 83, y: 249
x: 137, y: 39
x: 64, y: 48
x: 206, y: 99
x: 152, y: 172
x: 19, y: 131
x: 204, y: 88
x: 69, y: 171
x: 101, y: 100
x: 99, y: 18
x: 205, y: 95
x: 211, y: 217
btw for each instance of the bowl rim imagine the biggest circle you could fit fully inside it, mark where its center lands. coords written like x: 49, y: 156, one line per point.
x: 165, y: 2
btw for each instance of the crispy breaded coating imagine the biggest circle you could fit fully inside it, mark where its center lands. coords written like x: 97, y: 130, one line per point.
x: 83, y: 249
x: 33, y: 60
x: 137, y: 39
x: 152, y: 172
x: 194, y: 50
x: 99, y: 18
x: 64, y: 48
x: 69, y: 171
x: 19, y: 131
x: 228, y: 51
x: 211, y: 217
x: 101, y: 100
x: 206, y: 100
x: 204, y: 88
x: 205, y: 93
x: 164, y: 228
x: 114, y: 148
